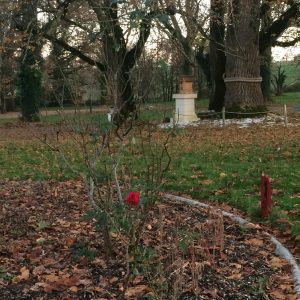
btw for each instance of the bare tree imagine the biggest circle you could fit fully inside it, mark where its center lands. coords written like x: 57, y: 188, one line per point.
x: 121, y: 31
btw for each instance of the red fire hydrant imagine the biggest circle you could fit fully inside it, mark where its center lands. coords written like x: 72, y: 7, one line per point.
x: 265, y: 196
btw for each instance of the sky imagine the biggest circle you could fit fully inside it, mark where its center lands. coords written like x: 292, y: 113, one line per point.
x: 280, y: 54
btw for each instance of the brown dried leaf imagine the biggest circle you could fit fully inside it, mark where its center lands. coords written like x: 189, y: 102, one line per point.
x: 236, y: 276
x: 136, y: 291
x: 255, y: 242
x: 70, y: 240
x: 278, y: 295
x: 52, y: 278
x: 206, y: 182
x: 277, y: 191
x: 38, y: 270
x: 23, y: 276
x: 114, y: 279
x: 277, y: 262
x: 73, y: 289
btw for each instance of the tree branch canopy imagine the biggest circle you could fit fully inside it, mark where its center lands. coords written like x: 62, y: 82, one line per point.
x: 74, y: 51
x: 269, y: 36
x: 288, y: 43
x: 145, y: 27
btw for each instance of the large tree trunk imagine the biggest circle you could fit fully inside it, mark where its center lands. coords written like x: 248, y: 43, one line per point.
x: 265, y: 72
x: 266, y: 53
x: 217, y: 55
x: 118, y: 81
x: 29, y: 78
x: 243, y: 81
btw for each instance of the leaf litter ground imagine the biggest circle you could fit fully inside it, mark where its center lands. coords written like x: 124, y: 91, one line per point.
x: 48, y: 252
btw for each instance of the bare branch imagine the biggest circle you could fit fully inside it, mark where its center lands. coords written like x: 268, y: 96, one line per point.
x: 287, y: 43
x: 75, y: 51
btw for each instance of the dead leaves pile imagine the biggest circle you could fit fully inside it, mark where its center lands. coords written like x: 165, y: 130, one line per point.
x: 44, y: 262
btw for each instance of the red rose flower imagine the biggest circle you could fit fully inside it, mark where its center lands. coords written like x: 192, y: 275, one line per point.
x: 133, y: 198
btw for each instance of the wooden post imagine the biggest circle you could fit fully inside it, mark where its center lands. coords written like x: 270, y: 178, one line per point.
x: 223, y: 116
x: 174, y: 118
x: 265, y: 196
x: 285, y: 116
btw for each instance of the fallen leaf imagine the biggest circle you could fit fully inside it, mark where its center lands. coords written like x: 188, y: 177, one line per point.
x: 277, y: 295
x: 137, y: 279
x: 277, y: 192
x: 23, y: 276
x: 69, y: 280
x: 73, y: 289
x: 255, y: 242
x: 52, y: 278
x: 286, y: 287
x: 218, y: 192
x: 206, y: 182
x: 292, y: 297
x: 264, y: 253
x: 297, y: 195
x: 70, y: 240
x: 136, y: 291
x: 252, y: 226
x: 114, y: 279
x: 287, y: 154
x: 39, y: 285
x: 277, y: 262
x: 236, y: 266
x: 212, y: 293
x: 38, y: 270
x: 235, y: 276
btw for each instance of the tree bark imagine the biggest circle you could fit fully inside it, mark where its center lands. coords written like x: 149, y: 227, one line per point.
x: 266, y: 54
x: 243, y: 87
x: 217, y: 55
x: 265, y: 72
x: 29, y: 77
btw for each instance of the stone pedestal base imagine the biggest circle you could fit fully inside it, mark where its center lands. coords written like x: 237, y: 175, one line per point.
x: 185, y: 108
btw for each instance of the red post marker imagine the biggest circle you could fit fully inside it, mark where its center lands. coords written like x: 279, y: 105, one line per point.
x: 265, y: 196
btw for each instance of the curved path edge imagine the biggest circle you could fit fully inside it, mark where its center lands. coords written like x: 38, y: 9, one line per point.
x: 281, y: 250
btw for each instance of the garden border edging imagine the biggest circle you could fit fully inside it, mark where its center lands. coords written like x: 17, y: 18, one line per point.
x: 281, y: 250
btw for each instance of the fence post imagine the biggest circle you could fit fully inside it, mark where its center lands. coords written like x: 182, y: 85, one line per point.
x: 174, y: 117
x: 285, y: 116
x: 265, y: 196
x: 223, y: 116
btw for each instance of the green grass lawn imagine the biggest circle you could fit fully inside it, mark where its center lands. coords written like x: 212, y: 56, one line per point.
x: 209, y: 164
x: 291, y: 68
x: 157, y: 111
x: 202, y: 166
x: 288, y: 98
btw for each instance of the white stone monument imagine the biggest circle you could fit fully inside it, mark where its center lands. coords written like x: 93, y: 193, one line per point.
x: 185, y: 102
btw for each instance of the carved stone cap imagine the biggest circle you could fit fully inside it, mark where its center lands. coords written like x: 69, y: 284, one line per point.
x: 186, y: 84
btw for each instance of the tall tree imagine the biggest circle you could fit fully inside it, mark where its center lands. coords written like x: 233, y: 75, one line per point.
x: 217, y: 56
x: 275, y: 20
x: 5, y: 53
x: 184, y: 33
x: 243, y: 81
x: 114, y: 25
x: 266, y: 54
x: 29, y: 77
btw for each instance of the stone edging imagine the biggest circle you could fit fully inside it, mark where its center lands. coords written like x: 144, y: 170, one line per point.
x: 280, y: 249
